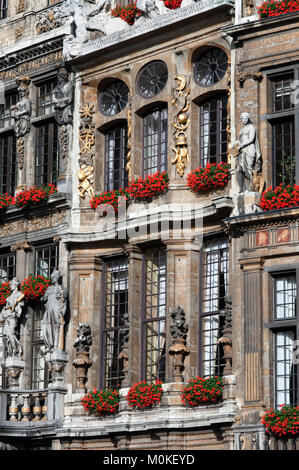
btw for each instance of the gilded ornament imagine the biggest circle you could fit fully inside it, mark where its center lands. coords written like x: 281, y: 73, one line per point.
x: 182, y: 102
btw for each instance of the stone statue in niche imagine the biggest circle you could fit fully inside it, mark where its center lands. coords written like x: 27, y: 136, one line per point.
x: 63, y: 98
x: 53, y: 319
x: 21, y: 111
x: 9, y: 317
x: 248, y: 169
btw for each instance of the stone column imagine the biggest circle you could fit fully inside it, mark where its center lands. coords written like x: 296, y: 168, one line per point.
x: 56, y: 361
x: 183, y: 263
x: 85, y: 295
x: 135, y: 312
x: 253, y: 328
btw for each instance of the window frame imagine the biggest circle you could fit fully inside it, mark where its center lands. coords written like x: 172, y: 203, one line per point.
x: 103, y: 329
x: 124, y: 177
x: 280, y: 325
x: 274, y: 116
x: 219, y: 360
x: 160, y: 108
x: 161, y: 250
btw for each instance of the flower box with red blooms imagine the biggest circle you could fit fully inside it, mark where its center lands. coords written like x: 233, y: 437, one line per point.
x: 146, y: 189
x: 5, y: 201
x: 34, y: 287
x: 113, y: 198
x: 5, y: 291
x: 35, y: 195
x: 280, y: 197
x: 144, y: 395
x: 210, y: 178
x: 201, y: 391
x: 129, y: 13
x: 283, y: 422
x: 101, y: 402
x: 272, y: 8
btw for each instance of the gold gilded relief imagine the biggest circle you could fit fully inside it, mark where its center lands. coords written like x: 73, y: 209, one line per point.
x: 181, y: 123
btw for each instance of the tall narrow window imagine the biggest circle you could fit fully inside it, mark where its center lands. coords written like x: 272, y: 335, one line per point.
x: 47, y: 154
x: 155, y: 141
x: 154, y: 316
x: 7, y: 267
x: 3, y: 9
x: 214, y: 290
x: 46, y: 261
x: 6, y: 119
x: 115, y: 313
x: 213, y: 133
x: 47, y: 151
x: 8, y: 164
x: 282, y: 119
x: 284, y: 328
x: 116, y: 152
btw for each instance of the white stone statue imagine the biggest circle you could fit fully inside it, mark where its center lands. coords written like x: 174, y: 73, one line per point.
x: 150, y: 9
x: 63, y: 98
x: 84, y: 18
x: 21, y: 112
x: 55, y: 308
x: 9, y: 317
x: 249, y: 158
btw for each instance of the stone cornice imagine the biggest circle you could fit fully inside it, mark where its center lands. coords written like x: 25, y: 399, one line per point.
x: 150, y: 26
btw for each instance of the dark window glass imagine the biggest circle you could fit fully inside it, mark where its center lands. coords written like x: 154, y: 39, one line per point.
x: 114, y: 98
x: 47, y: 162
x: 152, y: 79
x: 284, y: 152
x: 155, y: 141
x: 282, y: 93
x: 215, y: 289
x: 154, y: 334
x: 3, y: 9
x: 45, y: 98
x: 210, y: 67
x: 285, y: 371
x: 46, y: 260
x: 6, y: 119
x: 115, y: 313
x: 116, y: 152
x: 213, y: 132
x: 7, y: 267
x: 8, y: 164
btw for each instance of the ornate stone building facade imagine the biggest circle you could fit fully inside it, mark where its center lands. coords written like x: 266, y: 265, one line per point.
x: 182, y: 286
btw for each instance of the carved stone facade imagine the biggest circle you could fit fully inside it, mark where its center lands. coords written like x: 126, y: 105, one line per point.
x: 172, y: 288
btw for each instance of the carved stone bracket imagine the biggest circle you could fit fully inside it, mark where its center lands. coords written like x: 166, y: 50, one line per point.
x: 254, y: 74
x: 181, y: 102
x: 25, y: 245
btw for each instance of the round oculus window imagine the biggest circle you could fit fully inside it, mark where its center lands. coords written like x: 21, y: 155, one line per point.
x: 114, y: 98
x: 152, y: 79
x: 211, y: 67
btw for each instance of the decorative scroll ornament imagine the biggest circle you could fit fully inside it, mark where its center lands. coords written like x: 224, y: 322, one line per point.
x: 254, y: 74
x: 129, y: 145
x: 49, y: 20
x: 86, y: 142
x: 182, y: 102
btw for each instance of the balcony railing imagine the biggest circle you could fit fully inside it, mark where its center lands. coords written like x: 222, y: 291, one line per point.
x: 23, y: 405
x: 274, y: 443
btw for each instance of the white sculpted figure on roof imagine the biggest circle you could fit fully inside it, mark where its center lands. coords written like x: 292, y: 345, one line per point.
x: 84, y: 17
x: 150, y: 9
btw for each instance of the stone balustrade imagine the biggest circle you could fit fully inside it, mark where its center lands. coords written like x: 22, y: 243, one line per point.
x: 23, y: 405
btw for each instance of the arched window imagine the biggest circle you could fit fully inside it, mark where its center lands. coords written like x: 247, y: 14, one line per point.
x: 155, y: 141
x: 116, y: 152
x: 212, y: 130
